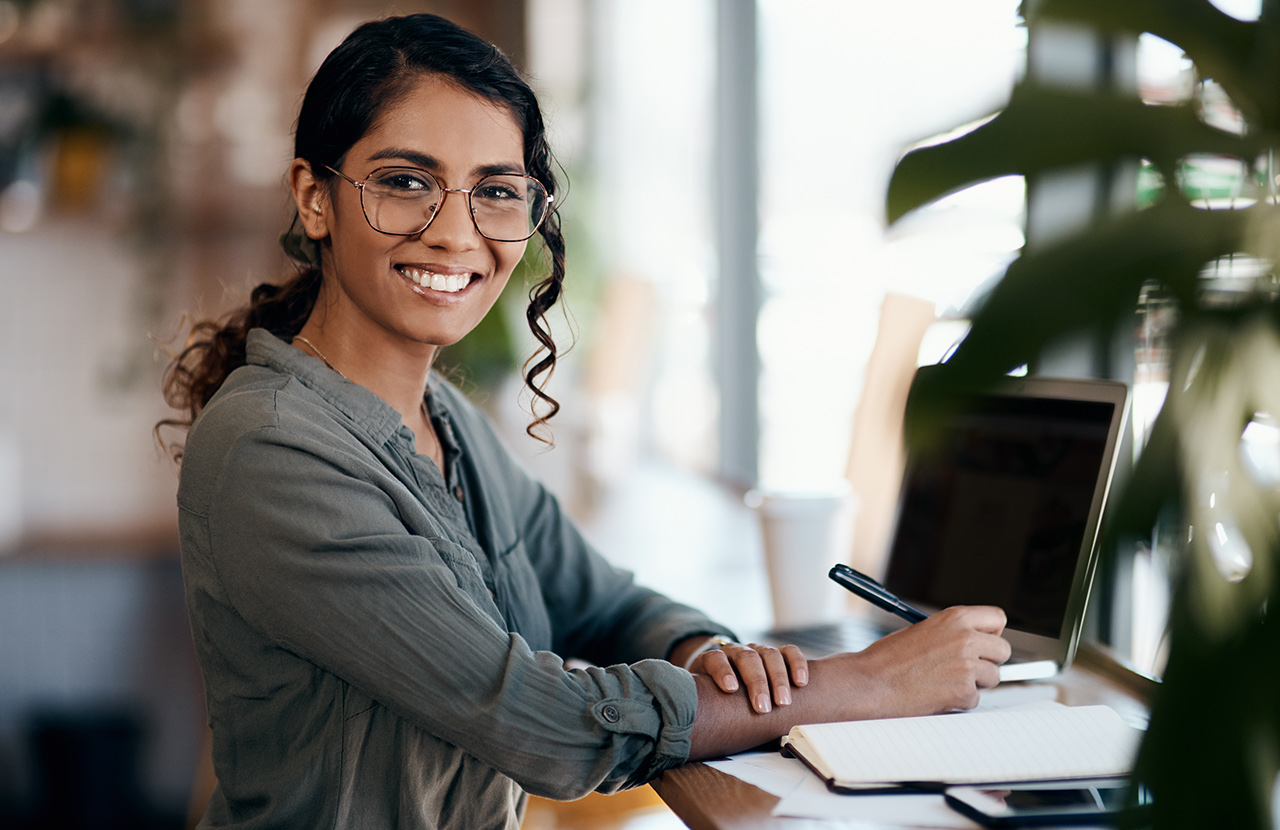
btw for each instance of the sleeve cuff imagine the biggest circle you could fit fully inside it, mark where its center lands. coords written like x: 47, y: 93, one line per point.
x: 665, y: 720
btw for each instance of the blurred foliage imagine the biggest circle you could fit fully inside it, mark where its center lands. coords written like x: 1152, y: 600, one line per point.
x: 1211, y: 755
x: 88, y: 93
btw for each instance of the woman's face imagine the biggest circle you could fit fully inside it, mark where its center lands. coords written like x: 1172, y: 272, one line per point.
x: 373, y: 282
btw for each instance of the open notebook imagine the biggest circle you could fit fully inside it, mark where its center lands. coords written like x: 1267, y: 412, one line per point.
x: 1003, y: 510
x: 1038, y: 743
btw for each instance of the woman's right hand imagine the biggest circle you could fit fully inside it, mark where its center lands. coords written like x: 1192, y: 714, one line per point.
x: 936, y: 665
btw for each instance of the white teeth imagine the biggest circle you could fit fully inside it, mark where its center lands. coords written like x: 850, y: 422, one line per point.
x: 448, y: 283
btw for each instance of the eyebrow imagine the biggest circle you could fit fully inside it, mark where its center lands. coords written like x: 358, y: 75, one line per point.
x: 432, y: 163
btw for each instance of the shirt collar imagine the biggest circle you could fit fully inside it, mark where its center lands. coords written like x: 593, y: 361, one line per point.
x: 365, y: 409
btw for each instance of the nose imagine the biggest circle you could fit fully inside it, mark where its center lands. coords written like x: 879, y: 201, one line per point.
x: 453, y: 226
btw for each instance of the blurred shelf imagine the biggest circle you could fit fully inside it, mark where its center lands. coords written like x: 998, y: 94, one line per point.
x: 142, y: 542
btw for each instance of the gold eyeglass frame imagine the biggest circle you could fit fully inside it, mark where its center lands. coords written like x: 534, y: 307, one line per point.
x: 444, y: 194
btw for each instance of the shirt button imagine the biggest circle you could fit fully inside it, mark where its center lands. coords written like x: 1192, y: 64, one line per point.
x: 611, y: 714
x: 457, y: 492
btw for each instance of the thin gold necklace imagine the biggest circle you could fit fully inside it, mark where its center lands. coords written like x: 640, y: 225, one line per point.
x: 320, y: 354
x: 426, y: 413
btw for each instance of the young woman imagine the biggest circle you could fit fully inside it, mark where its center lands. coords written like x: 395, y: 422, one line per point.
x: 382, y: 601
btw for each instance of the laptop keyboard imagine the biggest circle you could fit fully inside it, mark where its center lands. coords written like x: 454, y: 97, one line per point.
x: 828, y: 638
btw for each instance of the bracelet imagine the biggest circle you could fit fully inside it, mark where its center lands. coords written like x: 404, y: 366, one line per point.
x: 716, y: 642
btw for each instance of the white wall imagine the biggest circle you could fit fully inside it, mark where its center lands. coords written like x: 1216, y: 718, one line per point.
x: 80, y: 390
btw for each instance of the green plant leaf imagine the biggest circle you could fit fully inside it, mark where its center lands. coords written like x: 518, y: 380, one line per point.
x: 1044, y: 129
x: 1215, y: 723
x: 1233, y: 355
x: 1212, y: 731
x: 1091, y: 280
x: 1243, y: 57
x: 1082, y: 284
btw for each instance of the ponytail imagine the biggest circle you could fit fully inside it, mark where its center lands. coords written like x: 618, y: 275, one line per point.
x: 214, y: 350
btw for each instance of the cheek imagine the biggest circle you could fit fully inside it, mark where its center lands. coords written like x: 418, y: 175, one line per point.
x: 360, y: 250
x: 508, y: 256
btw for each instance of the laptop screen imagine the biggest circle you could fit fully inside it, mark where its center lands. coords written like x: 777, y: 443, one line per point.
x: 996, y: 511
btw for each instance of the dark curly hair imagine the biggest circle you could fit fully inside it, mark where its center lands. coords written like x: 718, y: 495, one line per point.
x: 369, y: 71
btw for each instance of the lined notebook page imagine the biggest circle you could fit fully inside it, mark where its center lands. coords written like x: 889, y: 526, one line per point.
x: 1008, y: 745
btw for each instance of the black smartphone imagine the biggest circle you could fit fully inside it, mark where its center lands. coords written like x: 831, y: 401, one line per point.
x: 1052, y: 803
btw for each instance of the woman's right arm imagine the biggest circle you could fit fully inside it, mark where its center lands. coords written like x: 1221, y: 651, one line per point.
x: 934, y: 666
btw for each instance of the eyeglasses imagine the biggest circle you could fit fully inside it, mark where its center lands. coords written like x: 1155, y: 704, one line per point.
x: 403, y: 201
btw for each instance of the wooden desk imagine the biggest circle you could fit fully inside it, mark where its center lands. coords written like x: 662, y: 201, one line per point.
x: 707, y: 799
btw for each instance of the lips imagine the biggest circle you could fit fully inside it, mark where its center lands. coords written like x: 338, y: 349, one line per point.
x: 446, y: 283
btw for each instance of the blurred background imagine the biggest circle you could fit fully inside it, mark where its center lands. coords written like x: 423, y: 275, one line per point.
x: 732, y: 291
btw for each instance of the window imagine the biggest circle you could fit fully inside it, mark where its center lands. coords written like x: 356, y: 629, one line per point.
x: 845, y: 87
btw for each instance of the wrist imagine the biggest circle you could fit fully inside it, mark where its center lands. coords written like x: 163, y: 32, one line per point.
x: 847, y: 687
x: 690, y: 649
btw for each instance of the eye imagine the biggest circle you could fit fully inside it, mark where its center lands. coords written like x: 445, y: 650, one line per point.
x: 403, y: 181
x: 497, y: 190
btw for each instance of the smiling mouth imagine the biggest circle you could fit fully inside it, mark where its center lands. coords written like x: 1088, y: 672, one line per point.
x: 447, y: 283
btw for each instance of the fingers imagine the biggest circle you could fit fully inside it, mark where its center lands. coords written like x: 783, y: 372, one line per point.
x: 760, y: 667
x: 716, y: 663
x: 987, y: 625
x: 944, y: 662
x: 985, y: 618
x: 797, y: 664
x: 764, y: 674
x: 997, y: 650
x: 987, y: 674
x: 767, y: 673
x: 974, y: 676
x: 971, y: 631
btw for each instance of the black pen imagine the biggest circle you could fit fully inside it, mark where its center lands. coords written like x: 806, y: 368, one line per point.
x: 875, y: 593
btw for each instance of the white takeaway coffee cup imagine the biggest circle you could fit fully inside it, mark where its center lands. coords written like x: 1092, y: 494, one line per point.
x: 804, y: 532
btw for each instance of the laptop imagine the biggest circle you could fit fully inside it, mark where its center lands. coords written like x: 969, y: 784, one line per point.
x: 1003, y: 509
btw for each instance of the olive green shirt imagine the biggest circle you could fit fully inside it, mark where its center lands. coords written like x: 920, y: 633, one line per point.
x: 382, y: 642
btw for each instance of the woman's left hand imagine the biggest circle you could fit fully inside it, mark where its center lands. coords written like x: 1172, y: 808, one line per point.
x: 768, y: 673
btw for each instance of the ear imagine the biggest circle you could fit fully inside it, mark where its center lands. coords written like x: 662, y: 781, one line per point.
x: 311, y: 197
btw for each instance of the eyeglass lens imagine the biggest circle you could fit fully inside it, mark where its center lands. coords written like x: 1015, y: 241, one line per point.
x: 401, y: 200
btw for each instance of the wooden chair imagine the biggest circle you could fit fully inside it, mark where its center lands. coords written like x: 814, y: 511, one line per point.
x: 876, y: 455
